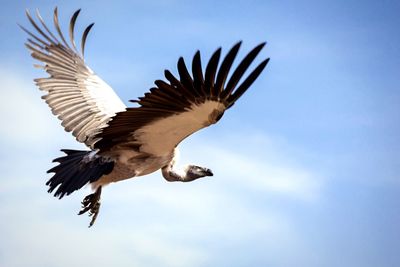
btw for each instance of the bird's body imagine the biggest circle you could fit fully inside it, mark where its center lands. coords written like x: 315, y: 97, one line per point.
x: 129, y: 164
x: 153, y: 156
x: 126, y: 142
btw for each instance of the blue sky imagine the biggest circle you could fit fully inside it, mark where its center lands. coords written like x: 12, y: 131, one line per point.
x: 306, y: 164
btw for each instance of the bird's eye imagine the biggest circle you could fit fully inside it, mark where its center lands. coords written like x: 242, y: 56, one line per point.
x: 197, y: 168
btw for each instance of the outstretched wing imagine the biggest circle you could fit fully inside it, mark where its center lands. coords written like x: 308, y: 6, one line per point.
x: 173, y: 110
x: 82, y: 100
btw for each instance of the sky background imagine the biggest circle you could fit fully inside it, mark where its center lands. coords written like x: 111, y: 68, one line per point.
x: 306, y: 164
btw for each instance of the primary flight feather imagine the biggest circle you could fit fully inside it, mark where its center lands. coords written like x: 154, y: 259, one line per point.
x: 126, y: 142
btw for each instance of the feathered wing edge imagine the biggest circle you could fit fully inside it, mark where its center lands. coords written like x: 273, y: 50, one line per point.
x: 79, y: 98
x: 178, y: 95
x: 36, y: 44
x: 213, y: 86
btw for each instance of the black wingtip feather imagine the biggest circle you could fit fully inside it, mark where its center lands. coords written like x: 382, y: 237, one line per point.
x: 184, y: 75
x: 72, y: 27
x: 211, y: 70
x: 84, y: 37
x: 197, y: 72
x: 225, y: 67
x: 240, y: 70
x: 247, y: 82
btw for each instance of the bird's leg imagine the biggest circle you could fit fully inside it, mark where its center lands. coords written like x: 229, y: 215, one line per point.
x: 91, y: 203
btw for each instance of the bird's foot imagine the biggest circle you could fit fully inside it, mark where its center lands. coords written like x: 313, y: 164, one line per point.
x: 91, y: 204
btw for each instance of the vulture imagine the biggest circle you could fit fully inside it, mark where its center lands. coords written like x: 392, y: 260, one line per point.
x: 126, y: 142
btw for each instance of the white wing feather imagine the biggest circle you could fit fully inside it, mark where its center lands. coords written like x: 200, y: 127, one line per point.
x: 75, y: 94
x: 161, y: 136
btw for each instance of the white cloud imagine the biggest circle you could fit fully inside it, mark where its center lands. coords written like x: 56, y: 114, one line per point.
x: 153, y: 225
x: 261, y: 163
x: 32, y: 227
x: 25, y: 118
x: 281, y: 178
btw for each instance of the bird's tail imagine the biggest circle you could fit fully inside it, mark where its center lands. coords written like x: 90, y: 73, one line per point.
x: 76, y: 169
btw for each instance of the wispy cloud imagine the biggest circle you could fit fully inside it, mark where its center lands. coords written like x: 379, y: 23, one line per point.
x: 260, y: 163
x: 25, y: 118
x: 146, y: 223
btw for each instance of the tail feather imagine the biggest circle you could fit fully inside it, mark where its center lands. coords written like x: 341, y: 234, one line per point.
x: 75, y: 170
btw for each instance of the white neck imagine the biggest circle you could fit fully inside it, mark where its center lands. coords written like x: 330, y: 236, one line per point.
x: 173, y: 174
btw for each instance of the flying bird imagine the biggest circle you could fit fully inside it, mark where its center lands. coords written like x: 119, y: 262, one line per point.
x: 126, y: 142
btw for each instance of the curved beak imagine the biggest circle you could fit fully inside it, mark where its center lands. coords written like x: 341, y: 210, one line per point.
x: 208, y: 172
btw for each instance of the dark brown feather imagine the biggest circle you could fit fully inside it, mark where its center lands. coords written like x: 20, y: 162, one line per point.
x: 246, y: 84
x: 197, y: 72
x: 71, y: 28
x: 185, y: 78
x: 224, y: 69
x: 84, y: 37
x: 240, y: 70
x: 211, y: 70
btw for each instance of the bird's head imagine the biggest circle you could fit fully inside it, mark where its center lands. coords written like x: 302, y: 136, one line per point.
x: 194, y: 172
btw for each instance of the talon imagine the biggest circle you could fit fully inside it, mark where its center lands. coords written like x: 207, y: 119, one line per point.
x: 91, y: 204
x: 94, y: 212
